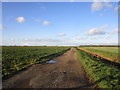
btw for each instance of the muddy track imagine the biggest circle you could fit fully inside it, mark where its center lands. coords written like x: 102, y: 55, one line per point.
x: 66, y: 73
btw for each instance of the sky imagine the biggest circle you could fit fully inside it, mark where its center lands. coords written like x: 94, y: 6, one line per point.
x: 59, y: 23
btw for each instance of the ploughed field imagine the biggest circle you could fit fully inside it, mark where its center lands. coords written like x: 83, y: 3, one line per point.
x: 17, y: 58
x: 110, y: 53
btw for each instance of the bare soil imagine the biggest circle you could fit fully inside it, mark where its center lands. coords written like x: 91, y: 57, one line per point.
x: 66, y: 73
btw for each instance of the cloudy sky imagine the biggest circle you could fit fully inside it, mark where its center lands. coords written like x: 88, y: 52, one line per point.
x: 63, y: 23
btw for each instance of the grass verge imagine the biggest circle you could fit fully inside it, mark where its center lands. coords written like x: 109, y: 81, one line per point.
x: 103, y: 74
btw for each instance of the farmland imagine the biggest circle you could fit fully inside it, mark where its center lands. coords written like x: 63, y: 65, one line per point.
x: 110, y: 53
x: 75, y: 67
x: 101, y: 73
x: 17, y: 58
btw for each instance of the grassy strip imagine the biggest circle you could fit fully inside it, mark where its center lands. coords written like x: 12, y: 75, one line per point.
x: 36, y: 61
x: 105, y: 52
x: 104, y: 60
x: 103, y: 74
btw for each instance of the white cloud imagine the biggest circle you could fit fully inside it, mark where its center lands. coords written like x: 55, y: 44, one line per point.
x: 74, y: 0
x: 115, y: 31
x: 1, y: 27
x: 107, y: 5
x: 61, y: 34
x: 46, y: 23
x: 35, y: 41
x: 25, y: 44
x: 42, y: 40
x: 59, y: 42
x: 95, y: 38
x: 81, y: 38
x: 117, y: 8
x: 97, y: 31
x: 20, y: 19
x: 96, y: 6
x: 108, y: 37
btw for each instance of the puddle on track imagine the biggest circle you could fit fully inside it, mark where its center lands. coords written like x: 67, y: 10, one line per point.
x: 51, y: 61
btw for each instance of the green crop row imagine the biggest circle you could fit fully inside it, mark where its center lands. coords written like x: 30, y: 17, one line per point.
x: 15, y: 59
x: 103, y: 74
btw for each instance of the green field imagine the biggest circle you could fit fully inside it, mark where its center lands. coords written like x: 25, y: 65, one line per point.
x: 17, y: 58
x: 107, y: 52
x: 101, y: 73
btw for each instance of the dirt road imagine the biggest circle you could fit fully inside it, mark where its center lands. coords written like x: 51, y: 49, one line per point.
x: 66, y: 73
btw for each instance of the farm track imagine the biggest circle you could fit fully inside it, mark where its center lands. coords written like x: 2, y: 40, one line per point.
x: 105, y: 60
x: 66, y: 73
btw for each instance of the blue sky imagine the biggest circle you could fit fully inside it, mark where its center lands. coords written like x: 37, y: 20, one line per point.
x: 63, y: 23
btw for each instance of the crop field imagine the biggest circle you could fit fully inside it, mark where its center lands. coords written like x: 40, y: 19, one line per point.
x: 17, y: 58
x: 101, y: 73
x: 73, y: 63
x: 110, y: 53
